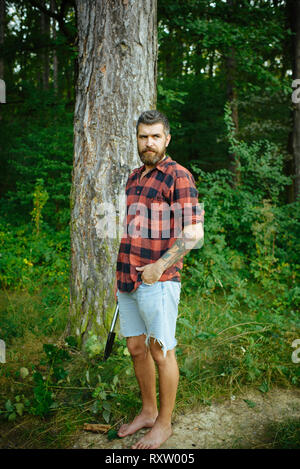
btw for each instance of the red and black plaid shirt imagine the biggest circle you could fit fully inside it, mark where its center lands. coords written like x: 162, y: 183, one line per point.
x: 155, y: 218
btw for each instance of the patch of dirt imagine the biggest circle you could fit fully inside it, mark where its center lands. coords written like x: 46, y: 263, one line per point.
x: 228, y: 424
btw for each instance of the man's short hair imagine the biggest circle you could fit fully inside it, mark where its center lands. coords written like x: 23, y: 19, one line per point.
x: 153, y: 117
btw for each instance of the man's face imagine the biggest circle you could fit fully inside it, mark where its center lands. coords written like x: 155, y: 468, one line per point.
x: 152, y: 143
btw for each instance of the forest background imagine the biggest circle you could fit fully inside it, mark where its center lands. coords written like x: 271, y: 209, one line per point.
x: 224, y: 79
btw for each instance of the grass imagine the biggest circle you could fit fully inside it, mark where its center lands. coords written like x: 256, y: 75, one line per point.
x: 285, y: 435
x: 226, y: 341
x: 277, y: 435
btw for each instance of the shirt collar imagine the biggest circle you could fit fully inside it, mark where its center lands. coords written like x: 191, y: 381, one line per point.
x: 161, y: 165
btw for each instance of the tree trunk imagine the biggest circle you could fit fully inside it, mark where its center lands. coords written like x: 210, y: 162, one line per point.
x: 45, y: 30
x: 230, y: 67
x: 55, y: 60
x: 295, y: 140
x: 211, y: 61
x: 117, y: 42
x: 2, y: 28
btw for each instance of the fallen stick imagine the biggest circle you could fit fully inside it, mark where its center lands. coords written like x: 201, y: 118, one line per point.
x: 96, y: 427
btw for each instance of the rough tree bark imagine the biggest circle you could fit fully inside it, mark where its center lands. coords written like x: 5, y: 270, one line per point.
x: 2, y: 27
x: 294, y: 6
x: 117, y: 42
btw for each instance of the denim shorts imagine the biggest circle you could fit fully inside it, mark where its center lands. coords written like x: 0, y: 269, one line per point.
x: 151, y: 310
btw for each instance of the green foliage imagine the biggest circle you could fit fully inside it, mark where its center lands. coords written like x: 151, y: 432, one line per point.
x: 202, y: 47
x: 40, y: 152
x: 112, y: 434
x: 43, y: 399
x: 92, y: 346
x: 40, y: 197
x: 40, y: 314
x: 17, y: 408
x: 240, y: 297
x: 245, y: 224
x: 227, y: 341
x: 285, y: 435
x: 30, y: 261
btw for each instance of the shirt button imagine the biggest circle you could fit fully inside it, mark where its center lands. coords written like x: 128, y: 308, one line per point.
x: 138, y: 192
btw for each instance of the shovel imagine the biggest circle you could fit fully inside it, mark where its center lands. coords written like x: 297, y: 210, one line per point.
x: 111, y: 334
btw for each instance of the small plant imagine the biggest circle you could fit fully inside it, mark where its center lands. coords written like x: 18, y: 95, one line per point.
x: 40, y: 197
x: 93, y: 346
x: 43, y: 399
x: 17, y: 408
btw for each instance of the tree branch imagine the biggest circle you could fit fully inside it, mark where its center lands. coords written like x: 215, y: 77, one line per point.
x: 59, y: 17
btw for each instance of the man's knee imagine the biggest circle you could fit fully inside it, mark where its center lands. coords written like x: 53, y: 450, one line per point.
x: 158, y: 355
x: 137, y: 347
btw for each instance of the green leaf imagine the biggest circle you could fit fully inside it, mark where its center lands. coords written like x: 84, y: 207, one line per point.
x: 106, y: 415
x: 96, y: 407
x: 250, y: 403
x: 205, y: 335
x: 264, y: 387
x: 112, y: 434
x: 12, y: 417
x: 71, y: 341
x: 115, y: 380
x: 8, y: 406
x: 106, y: 406
x: 19, y: 408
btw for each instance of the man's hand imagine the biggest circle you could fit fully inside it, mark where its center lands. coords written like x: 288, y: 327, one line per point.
x: 151, y: 273
x: 191, y: 235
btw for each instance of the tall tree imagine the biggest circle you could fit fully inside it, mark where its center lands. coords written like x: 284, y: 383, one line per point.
x: 117, y: 54
x: 55, y: 58
x: 45, y: 30
x: 2, y: 26
x: 231, y: 75
x: 294, y: 14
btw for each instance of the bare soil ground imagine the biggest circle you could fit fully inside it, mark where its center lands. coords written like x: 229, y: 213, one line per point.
x: 228, y: 424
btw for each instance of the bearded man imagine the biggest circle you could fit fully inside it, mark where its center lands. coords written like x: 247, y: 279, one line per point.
x: 163, y: 222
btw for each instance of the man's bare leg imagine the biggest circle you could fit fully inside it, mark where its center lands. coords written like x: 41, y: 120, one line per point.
x: 168, y: 383
x: 144, y: 368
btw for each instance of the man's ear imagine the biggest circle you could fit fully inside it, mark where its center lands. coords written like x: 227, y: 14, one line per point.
x: 168, y: 139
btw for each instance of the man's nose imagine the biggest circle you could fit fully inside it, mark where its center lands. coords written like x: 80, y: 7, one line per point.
x: 150, y: 141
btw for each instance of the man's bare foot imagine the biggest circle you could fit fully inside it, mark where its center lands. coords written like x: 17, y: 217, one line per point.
x: 140, y: 421
x: 155, y: 437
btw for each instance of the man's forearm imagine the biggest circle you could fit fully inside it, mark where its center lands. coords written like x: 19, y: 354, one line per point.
x: 190, y: 236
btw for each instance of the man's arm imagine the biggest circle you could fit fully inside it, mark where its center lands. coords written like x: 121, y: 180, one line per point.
x: 190, y: 236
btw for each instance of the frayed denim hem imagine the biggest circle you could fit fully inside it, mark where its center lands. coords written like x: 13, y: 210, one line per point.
x: 164, y: 348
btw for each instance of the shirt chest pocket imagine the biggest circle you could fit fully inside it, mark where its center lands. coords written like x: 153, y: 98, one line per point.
x: 158, y: 199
